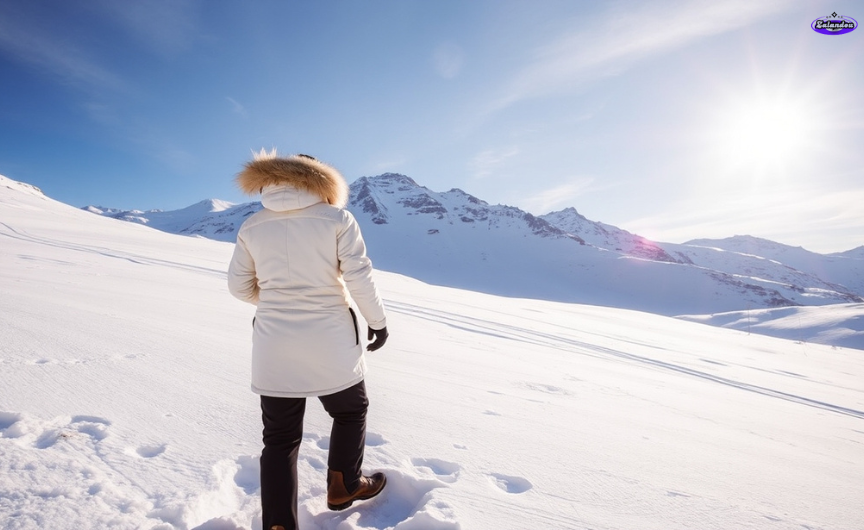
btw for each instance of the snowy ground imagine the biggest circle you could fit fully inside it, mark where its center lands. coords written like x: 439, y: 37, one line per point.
x: 125, y: 403
x: 836, y: 324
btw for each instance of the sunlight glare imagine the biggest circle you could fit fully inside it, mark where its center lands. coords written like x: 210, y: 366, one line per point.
x: 763, y: 132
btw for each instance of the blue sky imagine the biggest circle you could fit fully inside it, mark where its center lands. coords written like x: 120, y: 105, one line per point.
x: 673, y: 120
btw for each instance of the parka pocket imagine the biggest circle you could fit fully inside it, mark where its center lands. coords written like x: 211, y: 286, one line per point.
x: 356, y: 329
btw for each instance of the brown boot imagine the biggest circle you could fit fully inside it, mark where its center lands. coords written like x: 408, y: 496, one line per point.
x: 338, y: 497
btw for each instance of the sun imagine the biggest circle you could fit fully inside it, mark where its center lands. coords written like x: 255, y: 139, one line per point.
x: 754, y: 144
x: 761, y: 133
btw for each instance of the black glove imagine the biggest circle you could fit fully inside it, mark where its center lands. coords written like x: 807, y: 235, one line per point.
x: 380, y: 338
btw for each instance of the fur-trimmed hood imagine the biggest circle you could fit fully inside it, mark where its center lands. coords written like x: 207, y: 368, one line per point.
x: 301, y: 172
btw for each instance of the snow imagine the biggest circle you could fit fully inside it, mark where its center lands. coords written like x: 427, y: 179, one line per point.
x: 196, y: 219
x: 846, y: 269
x: 125, y: 403
x: 855, y: 253
x: 457, y: 240
x: 838, y: 324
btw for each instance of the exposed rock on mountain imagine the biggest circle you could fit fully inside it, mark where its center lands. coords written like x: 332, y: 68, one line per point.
x: 453, y: 238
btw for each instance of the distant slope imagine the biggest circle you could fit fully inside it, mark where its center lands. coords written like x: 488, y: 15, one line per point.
x: 842, y: 269
x: 453, y: 238
x: 837, y: 325
x: 855, y: 253
x: 211, y: 218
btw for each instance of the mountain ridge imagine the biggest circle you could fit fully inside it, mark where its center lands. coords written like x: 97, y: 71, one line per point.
x: 455, y: 239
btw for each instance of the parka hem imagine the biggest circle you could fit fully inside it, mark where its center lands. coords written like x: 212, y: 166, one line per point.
x: 308, y: 393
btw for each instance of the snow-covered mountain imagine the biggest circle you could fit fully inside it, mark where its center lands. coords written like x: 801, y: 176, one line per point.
x: 844, y: 269
x: 453, y: 238
x: 211, y: 218
x: 607, y: 237
x: 855, y: 253
x: 125, y: 403
x: 759, y: 261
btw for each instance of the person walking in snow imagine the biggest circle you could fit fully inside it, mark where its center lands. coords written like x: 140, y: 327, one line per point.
x: 301, y: 260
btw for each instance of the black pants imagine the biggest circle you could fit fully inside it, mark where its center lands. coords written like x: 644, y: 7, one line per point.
x: 283, y: 432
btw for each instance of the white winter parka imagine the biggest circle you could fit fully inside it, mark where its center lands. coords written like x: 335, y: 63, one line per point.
x: 297, y: 260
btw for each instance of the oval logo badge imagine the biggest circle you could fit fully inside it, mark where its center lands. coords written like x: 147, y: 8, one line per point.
x: 834, y: 24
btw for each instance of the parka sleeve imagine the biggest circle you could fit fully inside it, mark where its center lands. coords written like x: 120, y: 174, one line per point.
x: 242, y: 281
x: 356, y: 270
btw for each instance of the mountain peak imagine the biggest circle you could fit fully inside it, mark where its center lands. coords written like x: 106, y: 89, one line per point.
x: 747, y: 244
x: 208, y: 206
x: 390, y: 179
x: 565, y: 213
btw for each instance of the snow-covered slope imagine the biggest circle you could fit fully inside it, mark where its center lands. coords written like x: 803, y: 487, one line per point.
x: 456, y: 239
x: 837, y: 324
x: 751, y: 260
x: 607, y: 236
x: 856, y: 253
x: 124, y: 403
x: 845, y: 269
x: 211, y: 218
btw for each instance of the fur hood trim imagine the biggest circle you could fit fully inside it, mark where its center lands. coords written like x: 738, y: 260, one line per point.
x: 298, y: 171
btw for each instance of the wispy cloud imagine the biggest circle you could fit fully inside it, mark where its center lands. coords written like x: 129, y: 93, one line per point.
x: 558, y: 197
x: 448, y: 59
x: 616, y: 39
x: 237, y: 107
x: 53, y: 54
x: 166, y: 27
x: 486, y: 162
x: 823, y: 221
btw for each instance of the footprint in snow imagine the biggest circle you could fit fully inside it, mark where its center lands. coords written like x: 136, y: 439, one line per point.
x: 7, y: 420
x: 440, y: 469
x: 92, y: 427
x: 248, y: 476
x: 374, y: 439
x: 151, y: 450
x: 316, y: 463
x: 314, y: 451
x: 311, y: 437
x: 510, y: 484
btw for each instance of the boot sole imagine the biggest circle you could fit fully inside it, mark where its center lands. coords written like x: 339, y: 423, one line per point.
x: 344, y: 505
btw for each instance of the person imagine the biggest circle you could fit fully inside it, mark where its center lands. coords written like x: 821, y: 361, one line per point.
x: 301, y: 260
